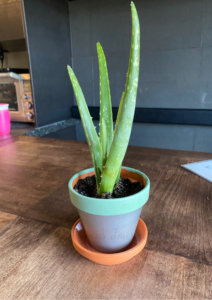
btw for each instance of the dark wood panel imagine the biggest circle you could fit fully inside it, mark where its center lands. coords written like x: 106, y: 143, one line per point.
x: 55, y: 208
x: 49, y: 154
x: 7, y: 142
x: 18, y: 239
x: 36, y: 174
x: 38, y: 261
x: 5, y: 218
x: 178, y: 213
x: 21, y: 186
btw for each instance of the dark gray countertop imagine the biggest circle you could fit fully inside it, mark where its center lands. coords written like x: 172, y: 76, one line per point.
x: 42, y: 131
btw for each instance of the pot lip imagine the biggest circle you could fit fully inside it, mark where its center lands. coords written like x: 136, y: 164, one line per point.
x: 107, y: 207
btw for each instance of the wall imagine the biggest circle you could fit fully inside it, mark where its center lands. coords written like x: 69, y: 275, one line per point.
x: 16, y: 60
x: 176, y: 61
x: 48, y: 38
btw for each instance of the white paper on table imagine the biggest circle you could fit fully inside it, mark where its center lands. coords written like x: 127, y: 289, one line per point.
x: 201, y: 168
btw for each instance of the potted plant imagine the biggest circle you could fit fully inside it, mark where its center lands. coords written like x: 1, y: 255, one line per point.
x: 110, y: 223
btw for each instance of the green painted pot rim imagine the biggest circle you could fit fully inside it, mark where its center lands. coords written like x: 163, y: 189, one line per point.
x: 109, y: 207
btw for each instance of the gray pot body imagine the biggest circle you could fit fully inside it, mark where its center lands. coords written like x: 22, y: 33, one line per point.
x: 110, y: 234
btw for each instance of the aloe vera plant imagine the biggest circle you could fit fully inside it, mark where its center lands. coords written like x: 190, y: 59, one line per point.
x: 108, y: 150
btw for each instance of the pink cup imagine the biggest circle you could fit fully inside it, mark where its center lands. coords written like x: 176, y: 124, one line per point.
x: 4, y: 119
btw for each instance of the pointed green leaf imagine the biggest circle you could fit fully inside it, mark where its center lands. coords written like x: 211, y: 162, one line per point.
x: 123, y: 131
x: 90, y: 131
x: 119, y: 112
x: 117, y: 121
x: 104, y: 142
x: 118, y: 176
x: 105, y: 98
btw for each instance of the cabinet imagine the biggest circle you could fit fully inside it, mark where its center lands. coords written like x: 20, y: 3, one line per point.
x: 11, y: 24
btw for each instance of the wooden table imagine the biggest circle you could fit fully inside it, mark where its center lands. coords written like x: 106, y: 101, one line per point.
x: 37, y: 258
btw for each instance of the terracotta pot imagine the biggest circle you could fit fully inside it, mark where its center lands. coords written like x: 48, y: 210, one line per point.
x: 110, y: 224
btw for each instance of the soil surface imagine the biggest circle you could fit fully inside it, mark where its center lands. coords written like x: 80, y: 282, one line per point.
x: 124, y: 188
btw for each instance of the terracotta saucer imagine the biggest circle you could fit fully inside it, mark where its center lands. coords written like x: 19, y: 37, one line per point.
x: 82, y: 245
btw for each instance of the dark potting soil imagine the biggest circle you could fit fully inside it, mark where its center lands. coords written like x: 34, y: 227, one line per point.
x: 123, y: 188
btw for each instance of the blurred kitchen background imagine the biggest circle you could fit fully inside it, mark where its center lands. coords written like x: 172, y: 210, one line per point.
x: 38, y: 38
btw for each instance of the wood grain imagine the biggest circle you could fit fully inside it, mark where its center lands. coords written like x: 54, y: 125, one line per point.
x: 5, y: 218
x: 178, y: 214
x: 14, y: 132
x: 38, y: 261
x: 7, y: 142
x: 179, y: 211
x: 34, y: 169
x: 56, y: 208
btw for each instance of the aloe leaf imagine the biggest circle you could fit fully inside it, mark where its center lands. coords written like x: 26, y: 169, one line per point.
x: 103, y: 134
x: 117, y: 121
x: 124, y: 126
x: 119, y: 112
x: 90, y: 131
x: 105, y: 98
x: 118, y: 176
